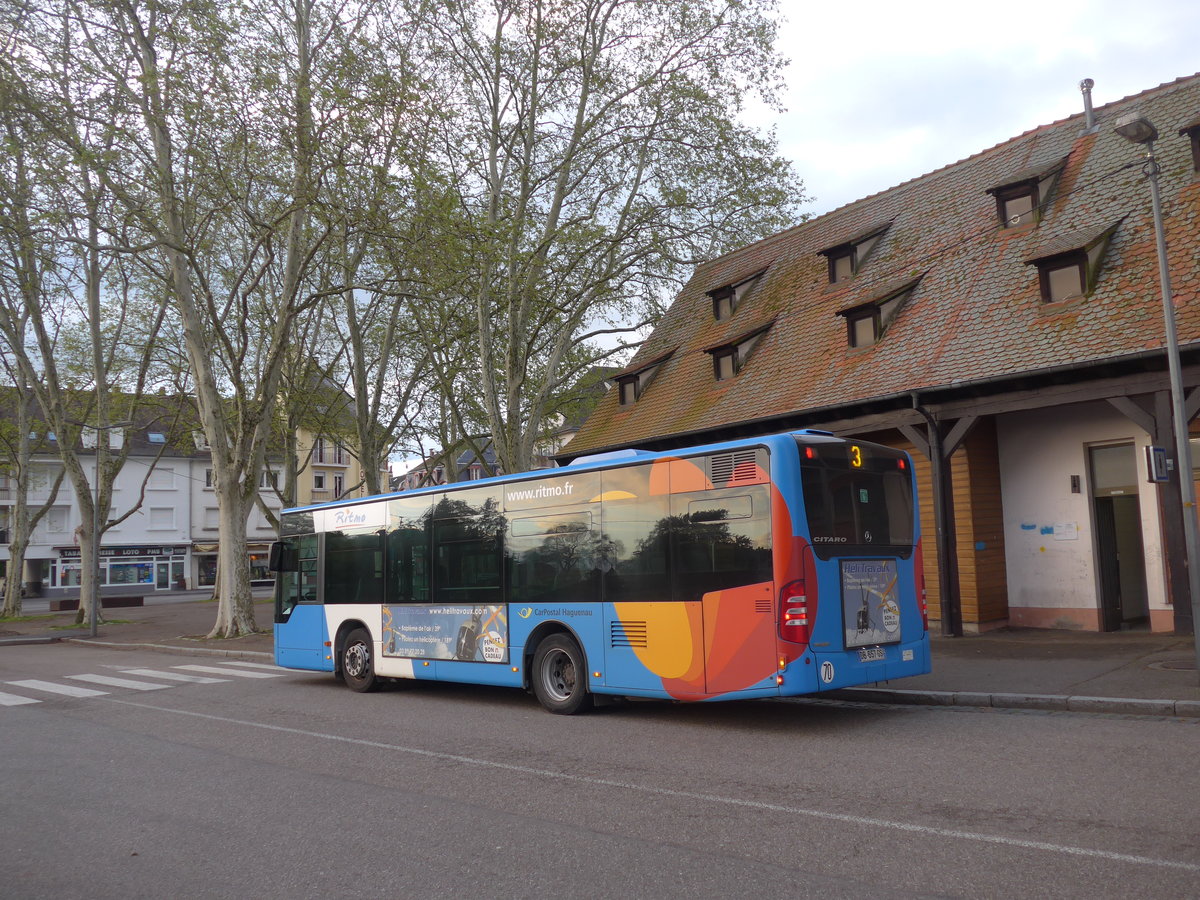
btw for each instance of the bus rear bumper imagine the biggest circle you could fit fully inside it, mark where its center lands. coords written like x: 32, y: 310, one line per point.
x: 814, y: 671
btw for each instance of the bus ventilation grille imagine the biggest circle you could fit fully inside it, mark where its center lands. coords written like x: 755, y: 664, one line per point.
x: 628, y: 634
x: 739, y: 467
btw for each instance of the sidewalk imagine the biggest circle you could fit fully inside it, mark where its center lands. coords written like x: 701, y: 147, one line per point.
x: 1122, y: 672
x: 170, y: 620
x: 1117, y: 672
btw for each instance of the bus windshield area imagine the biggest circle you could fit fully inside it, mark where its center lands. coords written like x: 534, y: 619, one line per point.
x: 858, y: 498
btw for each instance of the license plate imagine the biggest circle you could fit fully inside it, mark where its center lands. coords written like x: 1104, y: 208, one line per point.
x: 870, y: 654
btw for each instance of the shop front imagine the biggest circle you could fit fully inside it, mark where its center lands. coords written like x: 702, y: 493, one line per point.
x: 159, y: 567
x: 256, y: 559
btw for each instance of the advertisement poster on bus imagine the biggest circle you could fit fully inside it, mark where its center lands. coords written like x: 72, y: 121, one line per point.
x: 465, y: 633
x: 870, y: 602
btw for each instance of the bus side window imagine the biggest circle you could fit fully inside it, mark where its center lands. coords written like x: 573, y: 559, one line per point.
x: 553, y: 557
x: 297, y: 579
x: 635, y: 527
x: 353, y: 567
x: 720, y: 539
x: 408, y: 579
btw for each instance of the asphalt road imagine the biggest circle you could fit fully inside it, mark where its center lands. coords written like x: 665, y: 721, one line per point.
x: 293, y: 786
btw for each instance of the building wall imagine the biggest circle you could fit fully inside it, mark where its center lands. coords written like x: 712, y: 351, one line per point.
x: 979, y: 529
x: 979, y: 514
x: 1049, y: 531
x: 349, y: 470
x: 132, y: 551
x: 205, y: 529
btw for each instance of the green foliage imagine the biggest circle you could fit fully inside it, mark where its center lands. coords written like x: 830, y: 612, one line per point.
x: 596, y: 156
x: 453, y: 211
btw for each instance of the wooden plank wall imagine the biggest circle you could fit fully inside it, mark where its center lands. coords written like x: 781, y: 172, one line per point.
x: 979, y: 524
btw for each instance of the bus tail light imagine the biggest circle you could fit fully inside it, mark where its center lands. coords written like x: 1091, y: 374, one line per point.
x: 798, y: 601
x: 919, y: 577
x: 795, y: 623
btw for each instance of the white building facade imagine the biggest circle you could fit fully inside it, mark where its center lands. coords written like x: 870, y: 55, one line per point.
x: 164, y: 536
x: 1081, y: 521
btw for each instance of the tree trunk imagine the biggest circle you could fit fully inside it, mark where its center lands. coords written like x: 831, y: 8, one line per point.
x: 235, y: 611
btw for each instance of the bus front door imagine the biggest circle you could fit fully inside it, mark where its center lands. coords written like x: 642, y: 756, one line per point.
x: 300, y: 642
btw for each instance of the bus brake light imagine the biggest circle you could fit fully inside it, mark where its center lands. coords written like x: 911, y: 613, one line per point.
x: 919, y: 577
x: 795, y: 617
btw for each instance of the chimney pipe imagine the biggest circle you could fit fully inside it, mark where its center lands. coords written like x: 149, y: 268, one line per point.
x: 1085, y: 87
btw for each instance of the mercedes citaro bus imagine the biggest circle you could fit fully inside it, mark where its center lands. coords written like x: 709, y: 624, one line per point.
x: 768, y: 567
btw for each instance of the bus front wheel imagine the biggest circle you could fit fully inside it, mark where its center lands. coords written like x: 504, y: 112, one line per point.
x: 559, y: 675
x: 358, y: 661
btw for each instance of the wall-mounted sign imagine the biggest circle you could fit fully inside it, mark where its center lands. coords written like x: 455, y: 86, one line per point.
x: 1156, y: 465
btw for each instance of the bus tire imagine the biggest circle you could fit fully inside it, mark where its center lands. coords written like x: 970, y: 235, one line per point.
x: 357, y: 662
x: 559, y: 675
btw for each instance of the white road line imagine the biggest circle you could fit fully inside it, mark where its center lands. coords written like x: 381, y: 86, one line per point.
x: 252, y: 665
x: 119, y: 682
x: 213, y: 670
x: 717, y: 799
x: 14, y: 700
x: 174, y: 676
x: 50, y: 687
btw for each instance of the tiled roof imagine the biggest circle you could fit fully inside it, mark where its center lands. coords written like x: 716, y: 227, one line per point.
x: 880, y: 292
x: 1075, y: 240
x: 977, y: 313
x: 1031, y: 173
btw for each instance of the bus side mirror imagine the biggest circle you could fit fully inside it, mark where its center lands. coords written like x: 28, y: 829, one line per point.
x: 283, y: 558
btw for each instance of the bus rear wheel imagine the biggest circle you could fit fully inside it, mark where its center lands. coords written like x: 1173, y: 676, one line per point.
x: 358, y: 661
x: 559, y: 675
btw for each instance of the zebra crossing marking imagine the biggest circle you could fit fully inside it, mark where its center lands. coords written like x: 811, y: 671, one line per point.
x: 67, y: 690
x: 252, y: 665
x: 173, y: 676
x: 109, y: 681
x: 229, y: 669
x: 240, y: 673
x: 15, y: 700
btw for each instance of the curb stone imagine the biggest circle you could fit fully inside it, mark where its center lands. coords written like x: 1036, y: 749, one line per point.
x: 1121, y: 705
x: 1054, y: 702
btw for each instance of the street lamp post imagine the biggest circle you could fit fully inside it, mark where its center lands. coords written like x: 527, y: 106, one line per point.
x: 1140, y: 130
x: 94, y: 599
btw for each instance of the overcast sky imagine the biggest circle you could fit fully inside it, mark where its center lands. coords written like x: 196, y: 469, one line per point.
x: 881, y: 92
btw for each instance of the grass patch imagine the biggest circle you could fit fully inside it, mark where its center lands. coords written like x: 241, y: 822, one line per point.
x: 75, y: 627
x: 39, y: 618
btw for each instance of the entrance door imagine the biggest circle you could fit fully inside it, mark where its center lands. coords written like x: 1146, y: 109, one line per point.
x: 1121, y: 559
x: 162, y: 579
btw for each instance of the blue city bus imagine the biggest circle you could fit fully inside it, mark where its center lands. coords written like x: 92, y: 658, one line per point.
x: 769, y: 567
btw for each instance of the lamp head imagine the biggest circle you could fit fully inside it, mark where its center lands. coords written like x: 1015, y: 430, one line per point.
x: 1136, y: 128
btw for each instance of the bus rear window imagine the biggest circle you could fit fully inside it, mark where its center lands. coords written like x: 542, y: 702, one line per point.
x: 858, y: 498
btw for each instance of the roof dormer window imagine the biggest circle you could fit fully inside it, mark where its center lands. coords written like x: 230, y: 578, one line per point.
x: 847, y: 258
x: 867, y: 322
x: 1063, y: 277
x: 729, y: 359
x: 1021, y: 197
x: 1192, y: 132
x: 727, y: 299
x: 632, y: 384
x: 1069, y: 266
x: 1016, y: 206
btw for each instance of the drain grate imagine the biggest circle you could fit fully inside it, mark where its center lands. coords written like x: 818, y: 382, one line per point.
x: 1180, y: 665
